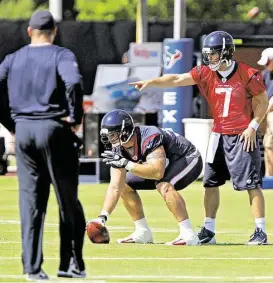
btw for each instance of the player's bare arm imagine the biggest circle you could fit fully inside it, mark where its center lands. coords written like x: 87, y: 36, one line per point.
x: 262, y: 106
x: 115, y: 188
x: 249, y: 135
x: 172, y: 80
x: 154, y: 167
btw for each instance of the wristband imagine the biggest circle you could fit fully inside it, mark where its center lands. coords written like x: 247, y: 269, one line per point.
x: 130, y: 165
x: 104, y: 214
x: 254, y: 124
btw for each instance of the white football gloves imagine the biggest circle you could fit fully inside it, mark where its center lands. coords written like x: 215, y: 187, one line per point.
x: 114, y: 159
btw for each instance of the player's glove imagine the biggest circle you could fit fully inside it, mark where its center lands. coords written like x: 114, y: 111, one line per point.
x: 114, y: 159
x: 100, y: 219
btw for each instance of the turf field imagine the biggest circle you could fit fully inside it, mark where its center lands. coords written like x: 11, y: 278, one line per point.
x: 229, y: 260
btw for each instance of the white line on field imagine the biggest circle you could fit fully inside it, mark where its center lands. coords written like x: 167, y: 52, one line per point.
x: 154, y: 258
x: 9, y: 242
x: 159, y: 277
x: 124, y: 229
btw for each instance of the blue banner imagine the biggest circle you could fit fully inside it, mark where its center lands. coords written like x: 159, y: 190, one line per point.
x: 177, y: 102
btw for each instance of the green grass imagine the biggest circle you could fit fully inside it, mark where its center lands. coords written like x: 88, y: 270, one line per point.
x: 229, y: 260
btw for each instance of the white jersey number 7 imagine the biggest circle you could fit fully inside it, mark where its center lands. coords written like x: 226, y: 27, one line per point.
x: 226, y: 91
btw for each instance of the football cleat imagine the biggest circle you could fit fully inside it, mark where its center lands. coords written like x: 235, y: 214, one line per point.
x: 143, y: 236
x: 192, y: 240
x: 206, y: 236
x: 72, y: 271
x: 258, y: 238
x: 37, y: 276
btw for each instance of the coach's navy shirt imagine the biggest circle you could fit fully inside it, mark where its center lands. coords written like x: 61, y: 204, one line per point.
x: 43, y: 83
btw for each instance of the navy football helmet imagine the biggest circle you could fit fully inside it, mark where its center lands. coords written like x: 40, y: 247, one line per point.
x: 117, y: 126
x: 219, y: 42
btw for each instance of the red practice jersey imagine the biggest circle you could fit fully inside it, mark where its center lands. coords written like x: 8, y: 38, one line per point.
x: 230, y: 99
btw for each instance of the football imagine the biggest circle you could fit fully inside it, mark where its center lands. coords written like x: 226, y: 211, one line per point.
x: 253, y: 13
x: 97, y: 233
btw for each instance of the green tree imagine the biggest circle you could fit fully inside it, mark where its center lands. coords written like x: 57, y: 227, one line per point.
x: 163, y: 9
x: 228, y: 10
x: 109, y: 10
x: 17, y: 9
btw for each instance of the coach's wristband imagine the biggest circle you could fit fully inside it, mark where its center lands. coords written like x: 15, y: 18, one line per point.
x: 254, y: 124
x: 130, y: 165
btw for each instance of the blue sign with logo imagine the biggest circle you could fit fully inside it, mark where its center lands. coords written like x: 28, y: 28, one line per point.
x: 177, y: 102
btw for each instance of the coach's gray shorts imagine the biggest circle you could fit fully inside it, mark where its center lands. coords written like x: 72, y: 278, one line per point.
x: 180, y: 173
x: 231, y: 161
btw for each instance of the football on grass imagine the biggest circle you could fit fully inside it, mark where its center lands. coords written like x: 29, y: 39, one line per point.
x: 97, y: 233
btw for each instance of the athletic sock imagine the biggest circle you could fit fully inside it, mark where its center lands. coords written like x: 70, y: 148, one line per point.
x: 141, y: 224
x: 260, y: 223
x: 209, y: 224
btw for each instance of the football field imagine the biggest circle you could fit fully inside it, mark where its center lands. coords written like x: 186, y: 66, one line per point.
x: 229, y: 260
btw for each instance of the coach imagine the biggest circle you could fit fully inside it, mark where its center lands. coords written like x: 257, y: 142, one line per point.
x: 45, y: 95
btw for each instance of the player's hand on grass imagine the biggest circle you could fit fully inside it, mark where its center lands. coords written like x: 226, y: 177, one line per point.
x: 140, y: 85
x: 249, y: 138
x: 100, y: 219
x: 113, y: 159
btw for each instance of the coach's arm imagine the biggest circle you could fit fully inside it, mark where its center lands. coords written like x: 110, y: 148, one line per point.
x: 154, y: 168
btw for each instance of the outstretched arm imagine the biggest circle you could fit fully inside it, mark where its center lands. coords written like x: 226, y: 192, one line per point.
x: 114, y: 190
x: 172, y: 80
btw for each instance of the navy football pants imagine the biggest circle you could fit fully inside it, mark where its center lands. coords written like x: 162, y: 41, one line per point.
x: 46, y: 154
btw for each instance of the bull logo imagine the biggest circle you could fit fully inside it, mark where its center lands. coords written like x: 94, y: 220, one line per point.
x: 171, y: 58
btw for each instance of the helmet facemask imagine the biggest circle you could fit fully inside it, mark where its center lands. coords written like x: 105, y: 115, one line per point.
x: 117, y: 136
x: 225, y: 54
x: 126, y: 132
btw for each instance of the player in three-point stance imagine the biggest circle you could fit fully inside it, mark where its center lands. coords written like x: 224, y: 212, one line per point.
x: 148, y: 158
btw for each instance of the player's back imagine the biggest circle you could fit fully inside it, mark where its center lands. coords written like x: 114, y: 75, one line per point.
x: 39, y: 92
x: 148, y: 138
x: 175, y: 145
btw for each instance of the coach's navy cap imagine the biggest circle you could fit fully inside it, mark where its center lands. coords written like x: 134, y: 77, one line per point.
x: 42, y: 20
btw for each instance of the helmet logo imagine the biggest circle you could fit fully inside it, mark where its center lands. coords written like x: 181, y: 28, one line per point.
x: 171, y: 58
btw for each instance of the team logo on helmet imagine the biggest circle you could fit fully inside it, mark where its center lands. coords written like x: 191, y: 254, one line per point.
x: 171, y: 58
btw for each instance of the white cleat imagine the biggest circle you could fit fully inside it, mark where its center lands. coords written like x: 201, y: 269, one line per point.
x: 144, y: 236
x: 191, y: 240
